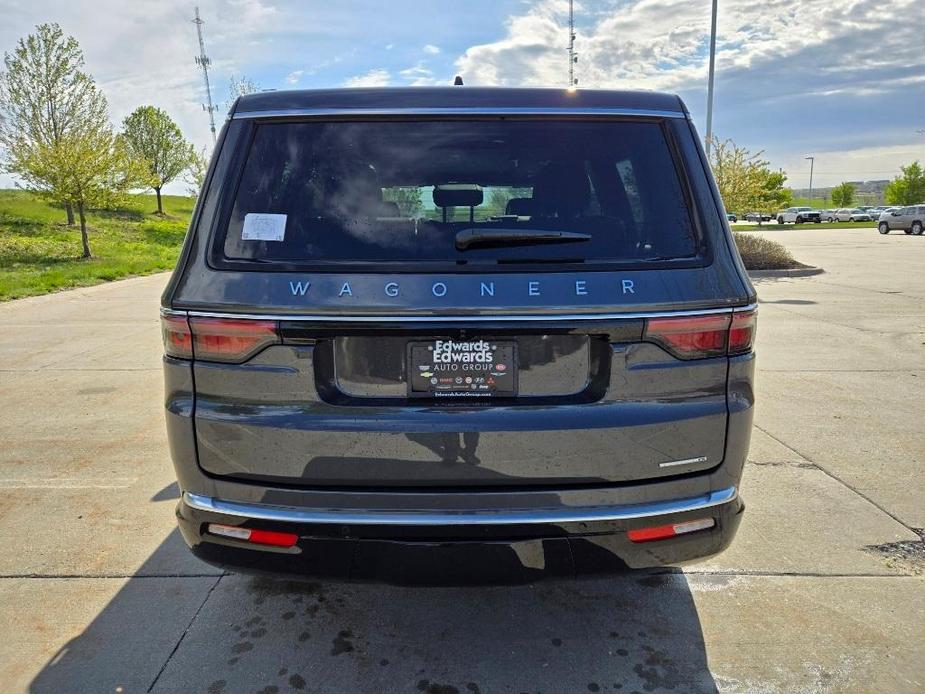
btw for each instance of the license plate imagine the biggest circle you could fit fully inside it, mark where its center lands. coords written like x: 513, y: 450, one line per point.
x: 462, y: 368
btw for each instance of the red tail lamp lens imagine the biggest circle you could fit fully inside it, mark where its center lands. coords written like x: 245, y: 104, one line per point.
x: 742, y: 331
x: 663, y: 532
x: 178, y: 340
x: 231, y: 340
x: 690, y: 337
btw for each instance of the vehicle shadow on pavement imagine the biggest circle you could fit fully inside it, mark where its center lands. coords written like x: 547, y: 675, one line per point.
x: 234, y: 633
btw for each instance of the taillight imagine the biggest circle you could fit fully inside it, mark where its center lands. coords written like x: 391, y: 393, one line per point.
x: 742, y: 331
x: 709, y: 335
x: 231, y: 340
x: 178, y: 340
x: 690, y: 337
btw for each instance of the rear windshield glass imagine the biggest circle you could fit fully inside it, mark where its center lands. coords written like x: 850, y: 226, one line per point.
x: 461, y: 192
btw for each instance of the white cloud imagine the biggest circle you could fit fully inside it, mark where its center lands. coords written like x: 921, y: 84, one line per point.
x: 861, y: 164
x: 418, y: 76
x: 793, y: 76
x: 377, y: 77
x: 662, y: 44
x: 136, y: 65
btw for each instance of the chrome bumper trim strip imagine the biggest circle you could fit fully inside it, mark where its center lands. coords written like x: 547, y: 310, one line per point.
x: 286, y: 514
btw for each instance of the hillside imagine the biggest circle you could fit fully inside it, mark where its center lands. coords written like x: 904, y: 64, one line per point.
x: 39, y: 253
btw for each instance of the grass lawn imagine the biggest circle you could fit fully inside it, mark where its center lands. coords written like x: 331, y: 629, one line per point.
x: 39, y: 253
x: 772, y: 226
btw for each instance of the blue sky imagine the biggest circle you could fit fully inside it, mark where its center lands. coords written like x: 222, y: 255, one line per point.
x: 843, y: 80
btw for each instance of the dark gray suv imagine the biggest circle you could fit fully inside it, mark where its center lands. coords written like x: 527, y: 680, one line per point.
x: 458, y: 334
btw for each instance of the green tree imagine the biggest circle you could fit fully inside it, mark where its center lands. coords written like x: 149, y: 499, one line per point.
x: 89, y: 167
x: 45, y: 97
x: 745, y: 180
x: 843, y: 195
x: 408, y: 199
x: 907, y: 189
x: 196, y: 172
x: 152, y: 137
x: 499, y: 197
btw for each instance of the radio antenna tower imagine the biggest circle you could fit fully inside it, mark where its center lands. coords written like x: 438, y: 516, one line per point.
x: 572, y: 55
x: 202, y: 60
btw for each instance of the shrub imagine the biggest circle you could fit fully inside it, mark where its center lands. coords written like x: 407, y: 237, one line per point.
x: 759, y: 253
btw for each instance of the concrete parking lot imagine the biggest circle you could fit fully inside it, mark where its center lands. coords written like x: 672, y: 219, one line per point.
x: 823, y: 589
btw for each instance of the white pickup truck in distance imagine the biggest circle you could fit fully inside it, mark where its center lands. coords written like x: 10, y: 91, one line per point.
x: 799, y: 215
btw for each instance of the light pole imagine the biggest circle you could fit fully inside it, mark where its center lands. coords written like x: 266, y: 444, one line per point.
x: 710, y: 85
x: 812, y: 161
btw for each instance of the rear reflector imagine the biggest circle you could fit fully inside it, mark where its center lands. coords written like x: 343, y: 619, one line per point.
x: 257, y: 537
x: 662, y: 532
x: 231, y: 340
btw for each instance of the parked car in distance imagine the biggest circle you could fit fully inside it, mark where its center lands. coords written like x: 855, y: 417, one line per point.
x: 909, y: 219
x: 799, y: 215
x: 442, y: 393
x: 852, y: 214
x: 731, y: 217
x: 828, y: 215
x: 758, y: 217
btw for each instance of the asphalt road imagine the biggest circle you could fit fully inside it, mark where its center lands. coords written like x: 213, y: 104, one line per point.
x: 823, y: 589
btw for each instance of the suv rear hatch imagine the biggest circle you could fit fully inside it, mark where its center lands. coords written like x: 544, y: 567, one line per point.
x: 460, y: 302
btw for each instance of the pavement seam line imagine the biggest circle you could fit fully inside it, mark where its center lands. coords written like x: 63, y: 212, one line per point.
x: 839, y: 480
x: 185, y: 632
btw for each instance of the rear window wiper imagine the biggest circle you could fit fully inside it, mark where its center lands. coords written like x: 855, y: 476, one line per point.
x: 515, y: 237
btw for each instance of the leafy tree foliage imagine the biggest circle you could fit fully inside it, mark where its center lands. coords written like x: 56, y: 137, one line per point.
x: 745, y: 181
x: 90, y: 168
x: 909, y: 188
x: 55, y: 127
x: 196, y: 172
x: 499, y: 197
x: 408, y: 200
x: 152, y: 137
x: 239, y: 86
x: 843, y: 195
x: 45, y: 97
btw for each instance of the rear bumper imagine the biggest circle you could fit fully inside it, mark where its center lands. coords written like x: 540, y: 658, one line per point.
x: 446, y: 546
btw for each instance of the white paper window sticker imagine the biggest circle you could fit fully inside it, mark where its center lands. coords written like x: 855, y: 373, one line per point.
x: 264, y: 227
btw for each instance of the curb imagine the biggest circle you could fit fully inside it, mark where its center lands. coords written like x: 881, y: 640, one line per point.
x: 792, y: 272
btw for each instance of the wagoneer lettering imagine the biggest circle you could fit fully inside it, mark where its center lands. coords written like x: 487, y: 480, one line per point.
x: 439, y: 333
x: 485, y: 289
